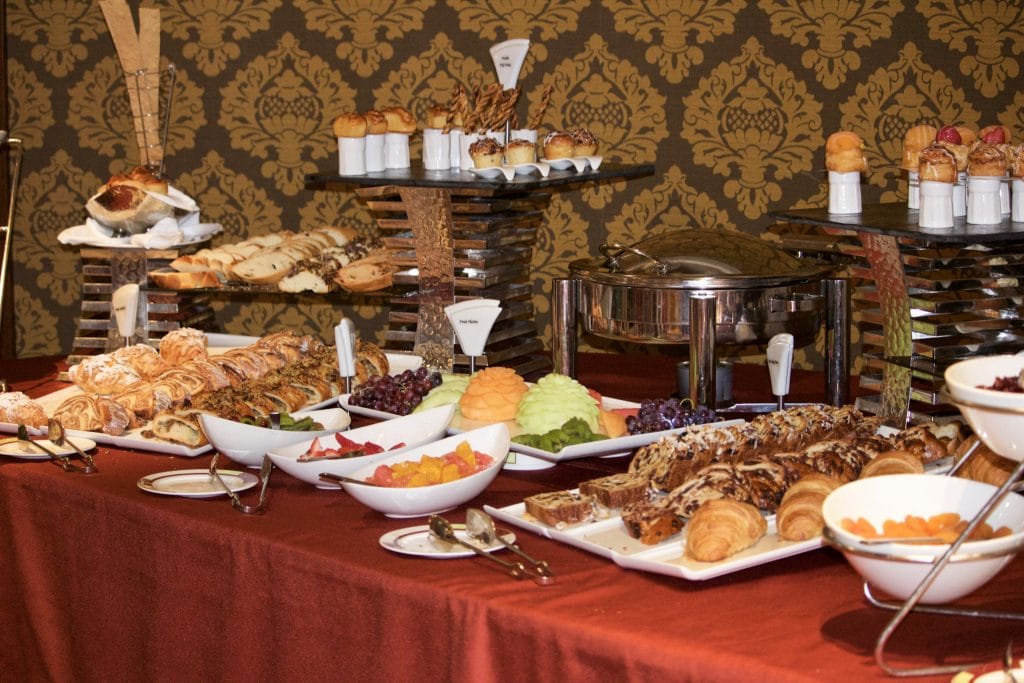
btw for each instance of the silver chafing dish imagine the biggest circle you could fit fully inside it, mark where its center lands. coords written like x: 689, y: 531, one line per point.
x: 703, y: 287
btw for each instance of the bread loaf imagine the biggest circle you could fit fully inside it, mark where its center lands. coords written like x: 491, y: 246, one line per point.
x: 172, y: 279
x: 123, y: 203
x: 559, y: 508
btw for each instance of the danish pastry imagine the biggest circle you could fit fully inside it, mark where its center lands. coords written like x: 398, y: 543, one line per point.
x: 182, y: 345
x: 986, y: 160
x: 937, y: 164
x: 17, y: 408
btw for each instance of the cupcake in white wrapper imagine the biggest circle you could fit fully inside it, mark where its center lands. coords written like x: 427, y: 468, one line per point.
x: 845, y: 161
x: 350, y: 129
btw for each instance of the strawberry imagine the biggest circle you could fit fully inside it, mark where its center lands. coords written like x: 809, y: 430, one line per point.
x: 949, y: 134
x: 994, y: 137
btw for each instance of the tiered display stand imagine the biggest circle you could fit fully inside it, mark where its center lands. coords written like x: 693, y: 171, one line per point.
x: 456, y: 236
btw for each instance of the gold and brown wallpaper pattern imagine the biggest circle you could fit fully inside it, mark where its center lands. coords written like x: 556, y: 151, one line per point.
x: 730, y: 100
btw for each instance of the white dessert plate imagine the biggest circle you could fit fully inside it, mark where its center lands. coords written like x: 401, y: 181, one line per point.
x: 418, y: 541
x: 197, y: 483
x: 24, y: 451
x: 12, y: 428
x: 539, y: 167
x: 494, y: 172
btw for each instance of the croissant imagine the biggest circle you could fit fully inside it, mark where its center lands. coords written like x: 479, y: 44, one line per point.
x: 892, y: 462
x: 984, y: 465
x: 799, y: 516
x: 721, y: 528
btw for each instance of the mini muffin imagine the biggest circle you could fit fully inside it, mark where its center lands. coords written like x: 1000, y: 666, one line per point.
x: 844, y: 153
x: 437, y: 116
x: 376, y: 123
x: 986, y: 160
x: 584, y: 142
x: 350, y: 125
x: 520, y: 152
x: 486, y: 153
x: 937, y: 164
x: 916, y: 139
x: 559, y: 145
x: 399, y: 120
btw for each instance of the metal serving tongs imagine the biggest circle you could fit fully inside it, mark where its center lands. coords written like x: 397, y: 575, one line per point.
x: 62, y: 460
x: 480, y: 526
x: 55, y: 433
x: 236, y: 502
x: 442, y: 528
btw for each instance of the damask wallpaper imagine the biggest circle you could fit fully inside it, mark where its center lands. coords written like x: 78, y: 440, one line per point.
x: 731, y: 100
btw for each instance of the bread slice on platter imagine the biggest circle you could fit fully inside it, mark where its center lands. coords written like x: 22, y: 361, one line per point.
x: 375, y: 272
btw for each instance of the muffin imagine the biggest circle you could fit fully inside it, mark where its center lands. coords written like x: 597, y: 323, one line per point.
x: 399, y: 120
x: 584, y: 142
x: 486, y: 153
x: 520, y: 152
x: 350, y: 125
x: 376, y: 123
x: 437, y: 116
x: 937, y: 164
x: 559, y: 145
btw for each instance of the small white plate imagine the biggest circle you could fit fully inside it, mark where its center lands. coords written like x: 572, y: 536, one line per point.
x: 23, y: 451
x: 418, y: 541
x: 197, y: 483
x: 494, y: 172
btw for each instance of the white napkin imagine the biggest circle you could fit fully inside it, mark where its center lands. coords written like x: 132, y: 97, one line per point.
x: 165, y: 233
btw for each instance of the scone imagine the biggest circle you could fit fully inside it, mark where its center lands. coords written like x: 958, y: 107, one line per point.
x: 937, y: 164
x: 844, y: 153
x: 520, y: 152
x: 486, y: 153
x: 349, y: 125
x: 916, y: 139
x: 376, y: 123
x: 584, y: 142
x: 399, y: 120
x: 559, y: 145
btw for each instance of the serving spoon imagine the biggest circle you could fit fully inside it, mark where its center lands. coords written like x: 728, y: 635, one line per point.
x: 442, y: 528
x: 55, y: 432
x: 64, y: 462
x: 480, y: 526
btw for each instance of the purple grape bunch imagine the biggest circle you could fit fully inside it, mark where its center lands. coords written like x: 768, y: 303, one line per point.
x: 395, y: 394
x: 659, y: 414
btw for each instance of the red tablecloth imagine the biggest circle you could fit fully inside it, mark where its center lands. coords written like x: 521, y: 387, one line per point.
x: 100, y: 581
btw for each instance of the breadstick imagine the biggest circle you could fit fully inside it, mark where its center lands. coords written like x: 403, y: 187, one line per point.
x: 542, y: 107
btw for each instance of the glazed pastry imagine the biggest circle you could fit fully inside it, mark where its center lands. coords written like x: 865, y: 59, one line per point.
x: 349, y: 125
x: 124, y: 203
x: 437, y: 116
x: 17, y: 408
x: 1017, y: 161
x: 376, y: 122
x: 520, y: 152
x: 916, y: 138
x: 559, y: 145
x: 986, y: 160
x: 399, y: 120
x: 721, y: 528
x: 486, y: 153
x: 182, y: 345
x: 584, y: 142
x: 937, y: 164
x: 844, y: 153
x: 892, y: 462
x: 799, y: 515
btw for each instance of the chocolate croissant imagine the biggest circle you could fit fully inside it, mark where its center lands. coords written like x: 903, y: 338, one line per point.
x: 722, y: 528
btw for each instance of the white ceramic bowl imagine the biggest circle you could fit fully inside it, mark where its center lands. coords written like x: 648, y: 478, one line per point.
x: 898, y: 568
x: 247, y: 444
x: 997, y: 417
x: 411, y: 430
x: 425, y: 500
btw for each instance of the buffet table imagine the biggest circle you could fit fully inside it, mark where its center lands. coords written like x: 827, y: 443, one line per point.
x: 101, y: 581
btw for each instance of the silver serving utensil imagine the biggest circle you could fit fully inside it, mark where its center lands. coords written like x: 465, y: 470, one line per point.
x: 1008, y: 668
x: 275, y: 419
x: 442, y: 528
x: 64, y: 462
x: 341, y: 478
x: 236, y: 502
x: 55, y: 433
x: 480, y: 526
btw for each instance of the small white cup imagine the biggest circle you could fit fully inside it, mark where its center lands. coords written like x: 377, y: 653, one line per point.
x: 455, y: 148
x: 1017, y: 201
x: 1004, y: 196
x: 375, y: 153
x: 352, y: 156
x: 983, y: 200
x: 396, y: 150
x: 936, y: 209
x: 844, y: 192
x: 436, y: 150
x: 913, y: 191
x: 523, y: 134
x: 960, y: 194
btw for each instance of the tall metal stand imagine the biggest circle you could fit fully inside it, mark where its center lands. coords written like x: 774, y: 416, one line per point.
x: 7, y: 229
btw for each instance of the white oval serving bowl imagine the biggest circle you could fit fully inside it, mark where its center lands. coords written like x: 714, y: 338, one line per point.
x: 419, y: 501
x: 898, y: 568
x: 247, y: 444
x: 412, y: 430
x: 997, y: 417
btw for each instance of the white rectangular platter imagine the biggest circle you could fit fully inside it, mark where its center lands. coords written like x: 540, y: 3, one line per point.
x: 608, y: 538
